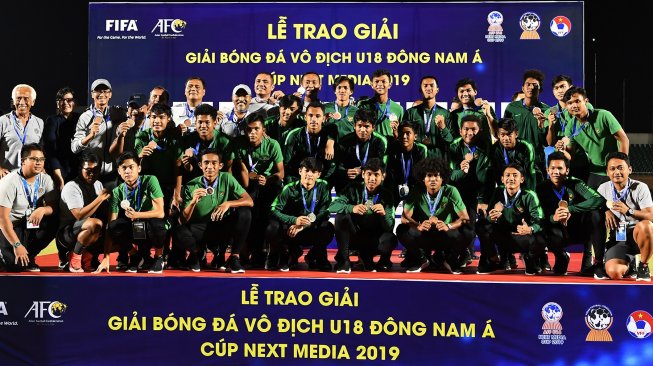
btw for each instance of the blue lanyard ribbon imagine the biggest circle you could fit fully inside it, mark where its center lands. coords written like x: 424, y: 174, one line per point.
x: 575, y: 131
x: 385, y: 114
x: 616, y: 196
x: 367, y: 150
x: 157, y: 144
x: 505, y: 156
x: 472, y: 149
x: 427, y: 120
x: 312, y: 210
x: 252, y: 166
x: 15, y: 122
x: 215, y: 183
x: 190, y: 113
x: 366, y: 196
x: 335, y: 104
x: 308, y: 142
x: 129, y: 194
x: 405, y: 166
x: 196, y: 150
x: 509, y: 203
x: 433, y: 205
x: 31, y: 199
x: 561, y: 193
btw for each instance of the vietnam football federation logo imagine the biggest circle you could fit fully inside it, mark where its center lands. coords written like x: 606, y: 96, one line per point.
x: 530, y: 23
x: 560, y: 26
x: 599, y: 319
x: 639, y: 324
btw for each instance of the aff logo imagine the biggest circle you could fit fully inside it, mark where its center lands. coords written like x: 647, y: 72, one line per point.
x: 3, y: 308
x: 165, y: 26
x: 43, y: 309
x: 121, y: 25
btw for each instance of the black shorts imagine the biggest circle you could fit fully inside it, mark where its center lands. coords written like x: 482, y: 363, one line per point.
x: 67, y: 235
x: 624, y: 250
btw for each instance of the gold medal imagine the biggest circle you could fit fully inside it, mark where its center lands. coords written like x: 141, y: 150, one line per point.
x: 563, y: 204
x: 426, y: 140
x: 433, y: 220
x: 469, y: 157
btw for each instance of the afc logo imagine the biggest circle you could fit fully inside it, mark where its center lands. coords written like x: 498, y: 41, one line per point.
x: 41, y: 309
x: 167, y: 25
x: 3, y: 308
x: 121, y: 25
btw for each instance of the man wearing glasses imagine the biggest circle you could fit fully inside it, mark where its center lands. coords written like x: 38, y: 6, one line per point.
x: 93, y: 129
x: 18, y: 128
x: 27, y: 201
x: 82, y: 210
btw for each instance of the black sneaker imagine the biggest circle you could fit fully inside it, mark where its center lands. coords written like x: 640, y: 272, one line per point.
x: 157, y: 266
x: 403, y: 253
x: 531, y: 265
x: 367, y: 264
x: 486, y: 266
x: 63, y: 264
x: 310, y: 260
x: 323, y: 264
x: 562, y: 263
x: 452, y: 264
x: 234, y: 266
x: 193, y: 262
x: 589, y: 270
x: 33, y: 267
x: 643, y: 273
x: 134, y: 262
x: 632, y: 270
x: 343, y: 266
x: 599, y: 273
x: 218, y: 262
x: 544, y: 262
x: 421, y: 264
x: 295, y: 253
x: 272, y: 261
x: 467, y: 258
x: 284, y: 261
x: 384, y: 264
x: 509, y: 262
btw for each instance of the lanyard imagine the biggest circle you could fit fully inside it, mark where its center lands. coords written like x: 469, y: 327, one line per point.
x: 405, y: 166
x: 190, y: 113
x: 106, y: 118
x: 505, y: 156
x: 308, y: 142
x: 472, y: 149
x: 384, y: 113
x: 366, y: 196
x: 433, y: 205
x: 196, y: 150
x: 157, y: 144
x: 508, y: 203
x: 358, y: 153
x: 575, y: 131
x: 616, y: 196
x: 252, y: 166
x: 131, y: 196
x: 31, y: 199
x: 24, y: 136
x: 427, y: 121
x: 312, y: 210
x: 561, y: 193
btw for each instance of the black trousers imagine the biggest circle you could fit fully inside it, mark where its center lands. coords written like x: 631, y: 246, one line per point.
x: 493, y: 236
x: 195, y: 236
x: 318, y: 235
x: 587, y: 228
x: 120, y: 230
x: 34, y: 240
x: 367, y: 234
x: 263, y: 196
x: 453, y: 241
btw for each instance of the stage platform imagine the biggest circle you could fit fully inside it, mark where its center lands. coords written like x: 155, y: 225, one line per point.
x: 321, y: 318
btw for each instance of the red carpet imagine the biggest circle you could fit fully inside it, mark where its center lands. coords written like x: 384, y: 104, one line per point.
x: 48, y: 264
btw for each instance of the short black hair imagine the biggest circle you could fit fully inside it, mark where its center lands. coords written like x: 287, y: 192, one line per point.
x: 311, y: 164
x: 255, y: 117
x: 289, y: 99
x: 159, y: 108
x: 409, y: 124
x: 164, y: 98
x: 309, y: 73
x: 427, y: 77
x: 127, y: 155
x: 206, y: 110
x: 617, y: 155
x: 373, y: 164
x: 558, y: 155
x: 365, y: 115
x: 28, y: 148
x: 574, y: 90
x: 514, y: 166
x: 315, y: 104
x: 195, y: 78
x: 535, y: 74
x: 381, y: 72
x: 432, y: 165
x: 507, y: 124
x: 559, y: 78
x: 88, y: 157
x: 471, y: 118
x: 463, y: 82
x: 342, y: 78
x: 209, y: 150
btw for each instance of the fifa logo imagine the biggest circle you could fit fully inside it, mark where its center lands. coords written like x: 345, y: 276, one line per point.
x: 121, y: 25
x: 3, y: 308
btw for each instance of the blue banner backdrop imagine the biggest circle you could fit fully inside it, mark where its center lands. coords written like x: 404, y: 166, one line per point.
x: 138, y: 46
x: 111, y: 320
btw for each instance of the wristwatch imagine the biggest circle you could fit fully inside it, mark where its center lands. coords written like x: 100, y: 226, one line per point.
x: 450, y: 226
x: 631, y: 212
x: 16, y: 245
